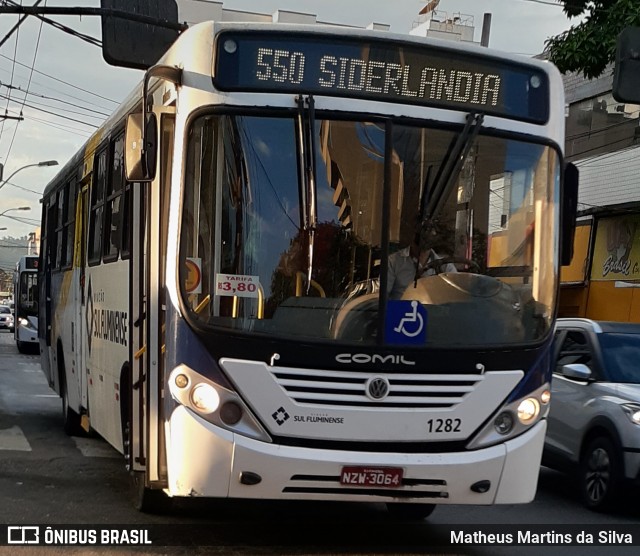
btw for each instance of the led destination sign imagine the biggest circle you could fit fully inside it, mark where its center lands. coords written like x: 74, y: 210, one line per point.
x: 379, y: 70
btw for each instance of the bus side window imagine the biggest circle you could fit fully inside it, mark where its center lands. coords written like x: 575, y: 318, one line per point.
x: 68, y: 234
x: 51, y: 231
x: 114, y: 205
x: 60, y: 218
x: 97, y: 207
x: 125, y: 247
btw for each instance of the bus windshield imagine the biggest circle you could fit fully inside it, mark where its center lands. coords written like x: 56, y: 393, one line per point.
x: 28, y: 295
x: 302, y: 254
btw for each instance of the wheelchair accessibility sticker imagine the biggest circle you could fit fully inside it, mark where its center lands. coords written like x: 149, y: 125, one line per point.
x: 406, y: 323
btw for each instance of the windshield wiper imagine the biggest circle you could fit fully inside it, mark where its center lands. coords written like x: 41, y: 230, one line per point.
x: 307, y: 175
x: 452, y: 165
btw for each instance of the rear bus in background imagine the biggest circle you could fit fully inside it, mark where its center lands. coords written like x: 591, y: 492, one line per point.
x: 25, y: 295
x: 216, y: 270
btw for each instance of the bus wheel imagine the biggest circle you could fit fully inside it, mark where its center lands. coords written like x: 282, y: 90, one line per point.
x: 148, y: 500
x: 70, y: 418
x: 21, y: 346
x: 411, y: 512
x: 144, y: 499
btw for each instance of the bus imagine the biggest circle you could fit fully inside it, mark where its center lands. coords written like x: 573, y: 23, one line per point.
x: 216, y: 266
x: 25, y: 295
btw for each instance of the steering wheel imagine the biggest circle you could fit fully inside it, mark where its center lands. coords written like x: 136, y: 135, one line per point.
x: 437, y: 264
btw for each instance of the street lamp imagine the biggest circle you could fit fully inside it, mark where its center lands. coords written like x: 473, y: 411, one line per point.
x: 43, y: 163
x: 16, y: 208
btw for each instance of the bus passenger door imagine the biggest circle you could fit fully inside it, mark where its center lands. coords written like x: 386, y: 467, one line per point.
x: 147, y: 308
x: 44, y: 285
x: 135, y: 386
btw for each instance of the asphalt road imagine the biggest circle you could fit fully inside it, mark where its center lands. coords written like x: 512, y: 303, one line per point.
x: 47, y: 478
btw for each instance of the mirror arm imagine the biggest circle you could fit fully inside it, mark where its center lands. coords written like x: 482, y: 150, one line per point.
x: 168, y: 73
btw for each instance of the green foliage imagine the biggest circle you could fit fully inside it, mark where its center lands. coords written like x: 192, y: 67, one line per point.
x: 589, y: 46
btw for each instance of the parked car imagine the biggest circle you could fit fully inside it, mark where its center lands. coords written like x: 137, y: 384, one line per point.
x: 594, y: 420
x: 6, y: 318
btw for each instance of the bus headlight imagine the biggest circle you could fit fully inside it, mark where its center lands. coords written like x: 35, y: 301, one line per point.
x: 214, y: 403
x: 528, y: 410
x: 26, y: 323
x: 504, y: 423
x: 205, y: 398
x: 513, y: 419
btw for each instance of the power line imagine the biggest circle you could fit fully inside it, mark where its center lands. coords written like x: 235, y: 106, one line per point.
x: 15, y: 27
x: 28, y: 221
x: 35, y: 54
x: 601, y: 147
x: 554, y: 4
x: 57, y: 115
x: 544, y: 2
x: 23, y: 188
x: 59, y: 26
x: 61, y: 80
x: 13, y: 67
x: 61, y: 127
x: 600, y: 130
x: 30, y: 93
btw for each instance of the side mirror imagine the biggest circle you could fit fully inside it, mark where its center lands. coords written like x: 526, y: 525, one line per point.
x: 139, y: 162
x: 569, y: 207
x: 626, y: 72
x: 577, y: 371
x: 132, y: 44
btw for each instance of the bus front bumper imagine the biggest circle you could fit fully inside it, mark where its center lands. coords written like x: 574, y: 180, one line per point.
x: 206, y: 460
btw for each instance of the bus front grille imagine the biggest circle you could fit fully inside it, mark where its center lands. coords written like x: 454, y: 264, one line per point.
x: 349, y: 388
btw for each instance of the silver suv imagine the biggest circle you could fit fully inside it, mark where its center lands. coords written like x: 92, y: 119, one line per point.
x: 594, y: 420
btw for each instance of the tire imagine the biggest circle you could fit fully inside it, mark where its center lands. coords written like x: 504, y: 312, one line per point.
x: 145, y: 499
x: 601, y: 474
x: 21, y: 346
x: 70, y: 418
x: 411, y: 512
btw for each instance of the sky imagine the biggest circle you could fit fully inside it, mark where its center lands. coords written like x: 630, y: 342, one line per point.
x: 71, y: 90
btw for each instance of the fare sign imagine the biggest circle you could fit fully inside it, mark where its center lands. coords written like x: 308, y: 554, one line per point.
x: 237, y: 285
x: 375, y: 69
x: 388, y: 477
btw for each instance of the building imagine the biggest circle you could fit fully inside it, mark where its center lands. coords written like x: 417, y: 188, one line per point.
x: 603, y: 140
x: 195, y: 11
x: 441, y: 25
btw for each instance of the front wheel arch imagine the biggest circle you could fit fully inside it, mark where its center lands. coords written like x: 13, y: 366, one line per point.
x: 72, y: 420
x: 601, y: 427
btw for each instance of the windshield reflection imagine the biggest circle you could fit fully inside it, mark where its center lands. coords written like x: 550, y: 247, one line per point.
x: 475, y: 261
x: 621, y: 353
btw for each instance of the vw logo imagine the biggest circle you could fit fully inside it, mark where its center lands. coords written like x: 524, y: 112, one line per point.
x: 377, y: 388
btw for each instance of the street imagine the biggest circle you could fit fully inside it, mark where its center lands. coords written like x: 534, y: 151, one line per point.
x: 47, y: 477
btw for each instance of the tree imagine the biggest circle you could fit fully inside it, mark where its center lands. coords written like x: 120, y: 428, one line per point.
x: 591, y: 45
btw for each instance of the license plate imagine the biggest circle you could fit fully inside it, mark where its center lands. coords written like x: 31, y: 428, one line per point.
x: 388, y: 477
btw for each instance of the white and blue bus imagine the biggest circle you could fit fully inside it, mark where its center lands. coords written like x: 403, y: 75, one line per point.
x: 25, y: 296
x: 217, y: 268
